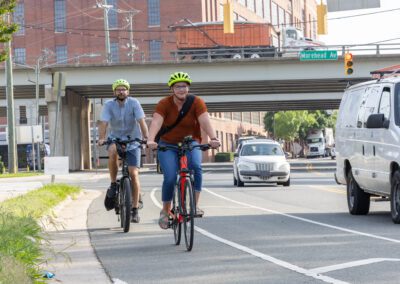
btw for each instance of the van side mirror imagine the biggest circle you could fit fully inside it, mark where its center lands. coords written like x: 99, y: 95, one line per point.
x: 377, y: 120
x: 236, y: 154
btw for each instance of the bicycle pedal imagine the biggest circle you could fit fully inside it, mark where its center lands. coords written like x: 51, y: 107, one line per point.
x: 198, y: 215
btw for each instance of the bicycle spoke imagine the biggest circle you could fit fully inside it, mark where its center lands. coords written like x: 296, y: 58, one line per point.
x: 188, y: 208
x: 176, y: 224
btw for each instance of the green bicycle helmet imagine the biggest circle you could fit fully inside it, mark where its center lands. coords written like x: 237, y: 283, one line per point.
x: 121, y: 82
x: 179, y: 77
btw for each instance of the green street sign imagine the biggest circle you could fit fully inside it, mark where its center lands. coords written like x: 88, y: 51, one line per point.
x: 312, y: 55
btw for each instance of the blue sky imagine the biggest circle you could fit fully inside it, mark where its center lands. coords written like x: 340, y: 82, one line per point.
x: 364, y: 29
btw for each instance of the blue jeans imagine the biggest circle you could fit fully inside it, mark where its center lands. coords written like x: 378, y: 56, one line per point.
x: 170, y: 165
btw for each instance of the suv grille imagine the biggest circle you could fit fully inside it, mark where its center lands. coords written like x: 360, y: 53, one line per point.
x: 264, y: 167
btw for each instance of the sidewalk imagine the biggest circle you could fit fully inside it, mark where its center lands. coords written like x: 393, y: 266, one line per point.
x: 76, y: 261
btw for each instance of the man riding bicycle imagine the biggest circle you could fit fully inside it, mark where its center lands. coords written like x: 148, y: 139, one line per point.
x: 126, y: 120
x: 195, y: 120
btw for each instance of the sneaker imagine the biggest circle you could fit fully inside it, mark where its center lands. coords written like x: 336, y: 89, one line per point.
x: 112, y: 190
x: 135, y: 216
x: 199, y: 211
x: 140, y: 202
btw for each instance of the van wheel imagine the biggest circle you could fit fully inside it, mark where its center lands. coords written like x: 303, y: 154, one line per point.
x: 357, y: 199
x: 395, y: 198
x: 234, y: 180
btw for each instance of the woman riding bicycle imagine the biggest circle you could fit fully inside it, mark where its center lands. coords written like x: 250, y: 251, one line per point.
x: 195, y: 120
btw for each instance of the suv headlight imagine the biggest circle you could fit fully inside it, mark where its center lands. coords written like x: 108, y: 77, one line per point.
x: 246, y: 166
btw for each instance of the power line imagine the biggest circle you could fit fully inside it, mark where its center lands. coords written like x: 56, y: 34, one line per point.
x: 365, y: 14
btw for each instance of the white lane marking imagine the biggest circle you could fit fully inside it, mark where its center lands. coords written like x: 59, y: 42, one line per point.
x: 118, y: 281
x: 304, y: 219
x: 258, y: 254
x: 351, y: 264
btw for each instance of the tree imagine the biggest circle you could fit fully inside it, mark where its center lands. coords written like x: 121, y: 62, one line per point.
x: 6, y: 28
x: 269, y: 122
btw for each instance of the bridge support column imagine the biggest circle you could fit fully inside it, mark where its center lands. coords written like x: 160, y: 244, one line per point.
x: 73, y: 139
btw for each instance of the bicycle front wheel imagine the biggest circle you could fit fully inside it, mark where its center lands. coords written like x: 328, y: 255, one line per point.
x: 125, y: 204
x: 188, y: 208
x: 176, y: 223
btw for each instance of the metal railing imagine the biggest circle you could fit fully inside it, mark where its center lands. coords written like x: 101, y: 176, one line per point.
x: 241, y: 53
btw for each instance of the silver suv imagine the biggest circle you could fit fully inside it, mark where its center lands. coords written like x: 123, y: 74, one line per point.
x: 260, y: 161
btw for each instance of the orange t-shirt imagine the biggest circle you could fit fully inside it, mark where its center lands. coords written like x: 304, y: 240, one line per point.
x: 189, y: 125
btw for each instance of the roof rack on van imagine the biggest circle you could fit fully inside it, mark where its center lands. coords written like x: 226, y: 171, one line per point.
x: 392, y: 71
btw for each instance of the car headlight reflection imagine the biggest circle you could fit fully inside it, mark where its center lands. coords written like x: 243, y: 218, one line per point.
x: 246, y: 166
x: 284, y: 167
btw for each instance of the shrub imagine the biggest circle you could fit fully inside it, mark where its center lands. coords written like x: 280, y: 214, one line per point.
x: 224, y: 157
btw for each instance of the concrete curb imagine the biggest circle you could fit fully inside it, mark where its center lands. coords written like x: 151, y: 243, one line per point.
x: 75, y: 260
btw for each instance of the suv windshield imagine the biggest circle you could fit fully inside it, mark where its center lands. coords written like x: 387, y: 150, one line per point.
x: 314, y: 140
x: 261, y: 150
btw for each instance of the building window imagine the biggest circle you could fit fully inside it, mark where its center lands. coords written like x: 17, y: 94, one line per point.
x: 259, y: 8
x: 59, y: 16
x: 61, y: 54
x: 112, y: 14
x: 154, y: 12
x: 274, y: 13
x: 237, y: 116
x: 281, y: 17
x: 19, y: 55
x: 250, y: 5
x: 22, y: 115
x: 267, y: 10
x: 221, y: 13
x: 155, y: 50
x: 114, y: 49
x: 19, y: 18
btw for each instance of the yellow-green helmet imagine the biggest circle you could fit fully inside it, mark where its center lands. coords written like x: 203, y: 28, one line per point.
x: 121, y: 82
x: 179, y: 77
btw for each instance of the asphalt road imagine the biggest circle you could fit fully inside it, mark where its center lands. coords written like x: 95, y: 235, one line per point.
x: 256, y: 234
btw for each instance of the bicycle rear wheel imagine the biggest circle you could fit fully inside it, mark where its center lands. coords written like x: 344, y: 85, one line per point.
x: 125, y: 204
x: 176, y: 224
x: 188, y: 208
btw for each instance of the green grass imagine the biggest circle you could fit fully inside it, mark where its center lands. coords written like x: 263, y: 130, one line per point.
x: 21, y: 174
x: 22, y: 240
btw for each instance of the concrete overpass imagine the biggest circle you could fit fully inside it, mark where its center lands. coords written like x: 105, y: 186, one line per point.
x: 265, y: 84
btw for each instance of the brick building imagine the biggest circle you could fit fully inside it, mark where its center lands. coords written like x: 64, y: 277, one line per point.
x: 60, y: 32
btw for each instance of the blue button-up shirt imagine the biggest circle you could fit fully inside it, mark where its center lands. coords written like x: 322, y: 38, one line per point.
x: 123, y: 119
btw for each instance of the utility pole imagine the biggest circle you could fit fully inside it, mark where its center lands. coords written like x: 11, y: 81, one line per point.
x: 131, y: 13
x: 131, y: 36
x: 106, y: 8
x: 37, y: 71
x: 12, y: 145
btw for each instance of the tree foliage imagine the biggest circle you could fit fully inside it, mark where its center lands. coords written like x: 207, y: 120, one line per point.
x: 6, y: 29
x: 290, y: 125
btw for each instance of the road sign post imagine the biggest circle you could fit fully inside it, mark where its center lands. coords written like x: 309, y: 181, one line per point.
x: 314, y: 55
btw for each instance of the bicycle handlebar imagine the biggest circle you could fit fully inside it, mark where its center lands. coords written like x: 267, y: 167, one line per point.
x: 123, y: 142
x: 188, y: 147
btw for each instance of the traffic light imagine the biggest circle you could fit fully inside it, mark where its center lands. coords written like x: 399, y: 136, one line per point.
x: 348, y: 63
x: 228, y: 18
x: 322, y: 24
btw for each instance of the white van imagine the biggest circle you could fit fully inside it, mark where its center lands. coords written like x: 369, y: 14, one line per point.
x: 368, y: 144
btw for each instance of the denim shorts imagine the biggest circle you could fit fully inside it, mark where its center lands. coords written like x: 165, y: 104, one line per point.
x: 133, y: 157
